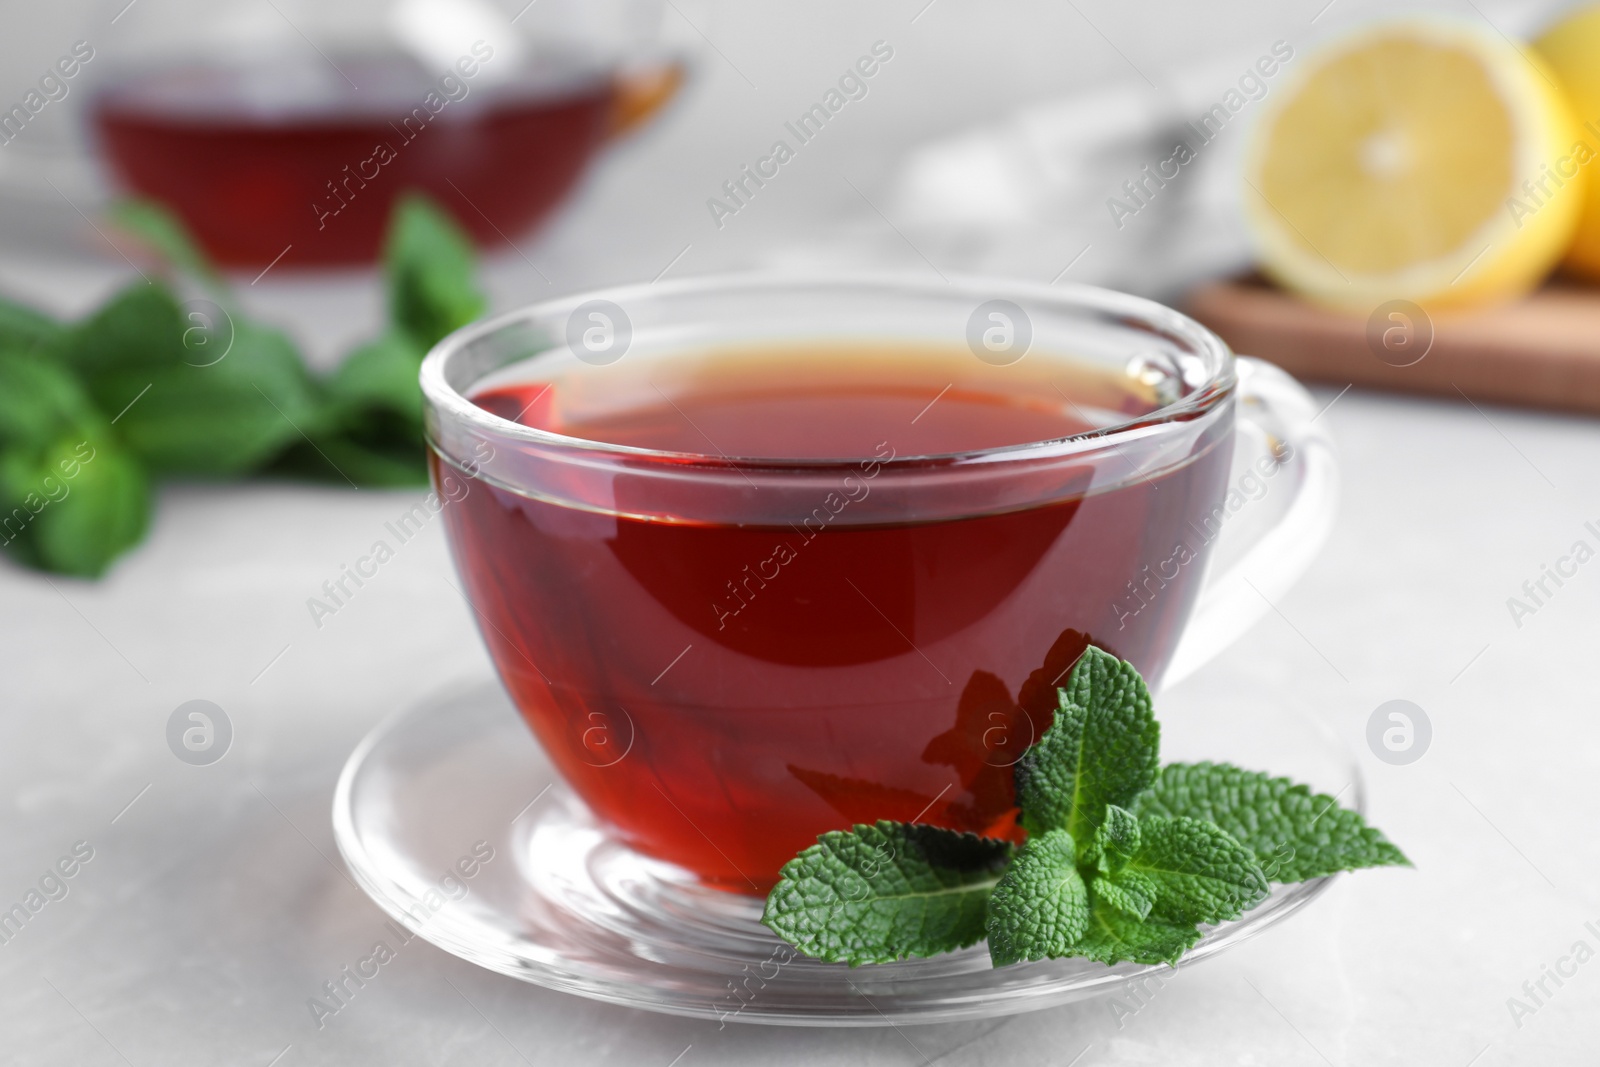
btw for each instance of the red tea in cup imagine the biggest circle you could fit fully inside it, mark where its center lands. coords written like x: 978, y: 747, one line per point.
x: 786, y: 595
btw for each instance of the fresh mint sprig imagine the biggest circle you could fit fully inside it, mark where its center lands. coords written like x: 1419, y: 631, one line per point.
x: 1124, y: 860
x: 143, y: 388
x: 880, y: 893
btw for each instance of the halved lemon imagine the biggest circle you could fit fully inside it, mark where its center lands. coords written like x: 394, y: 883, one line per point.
x: 1393, y: 167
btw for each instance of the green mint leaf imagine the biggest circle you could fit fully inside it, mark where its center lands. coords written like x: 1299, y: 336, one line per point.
x: 47, y: 423
x: 381, y: 374
x: 19, y: 474
x: 22, y: 329
x: 1113, y: 937
x: 1040, y: 908
x: 222, y: 418
x: 431, y: 268
x: 39, y: 401
x: 384, y: 464
x: 1116, y: 840
x: 102, y: 510
x: 1102, y: 749
x: 1200, y: 873
x: 167, y: 236
x: 1294, y: 833
x: 1129, y: 892
x: 374, y: 411
x: 874, y: 894
x: 140, y: 327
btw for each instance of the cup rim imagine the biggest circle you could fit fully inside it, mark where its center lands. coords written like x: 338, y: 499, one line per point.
x: 1220, y: 383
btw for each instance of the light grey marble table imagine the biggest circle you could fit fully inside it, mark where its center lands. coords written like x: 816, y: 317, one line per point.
x: 214, y: 904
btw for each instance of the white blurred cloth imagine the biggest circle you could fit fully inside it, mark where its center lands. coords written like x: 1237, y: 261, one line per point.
x: 1028, y: 196
x: 1032, y: 195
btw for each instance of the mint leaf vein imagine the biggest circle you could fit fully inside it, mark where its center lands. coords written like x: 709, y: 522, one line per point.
x: 1295, y: 834
x: 874, y: 894
x: 1103, y: 748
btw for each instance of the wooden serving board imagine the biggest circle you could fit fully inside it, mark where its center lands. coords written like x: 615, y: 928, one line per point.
x: 1541, y: 351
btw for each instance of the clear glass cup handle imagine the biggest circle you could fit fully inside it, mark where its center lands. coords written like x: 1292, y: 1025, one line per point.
x: 1282, y: 496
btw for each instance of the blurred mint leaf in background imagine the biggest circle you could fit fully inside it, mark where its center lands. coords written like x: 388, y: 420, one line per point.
x: 381, y: 374
x: 157, y: 386
x: 105, y: 508
x: 22, y: 329
x: 347, y: 459
x: 431, y: 270
x: 223, y: 419
x: 375, y: 406
x: 39, y: 401
x: 142, y: 326
x: 373, y: 431
x: 71, y: 498
x: 162, y: 231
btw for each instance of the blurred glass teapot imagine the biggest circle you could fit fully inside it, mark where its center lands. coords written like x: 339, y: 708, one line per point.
x: 285, y: 129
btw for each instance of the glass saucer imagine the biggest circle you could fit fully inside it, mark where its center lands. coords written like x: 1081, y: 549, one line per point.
x: 450, y: 817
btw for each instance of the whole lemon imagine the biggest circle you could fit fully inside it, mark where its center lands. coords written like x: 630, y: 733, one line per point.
x: 1572, y: 49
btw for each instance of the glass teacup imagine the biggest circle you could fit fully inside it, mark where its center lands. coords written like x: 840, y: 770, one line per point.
x: 751, y: 574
